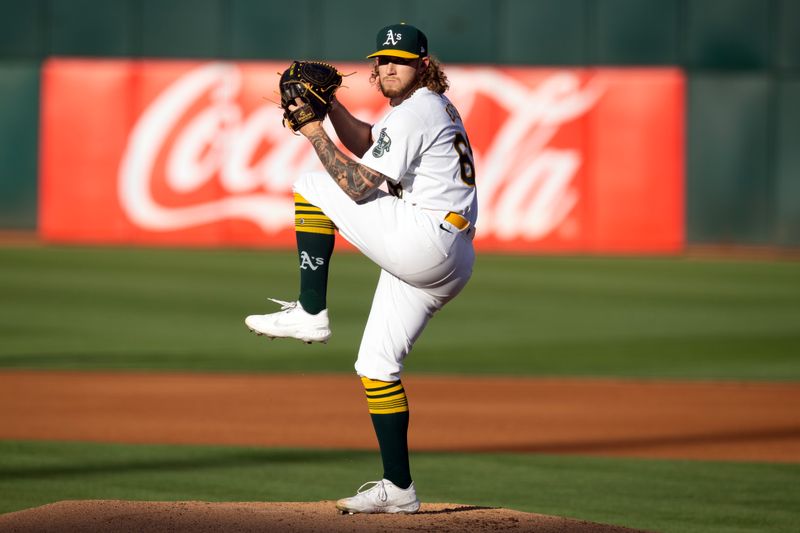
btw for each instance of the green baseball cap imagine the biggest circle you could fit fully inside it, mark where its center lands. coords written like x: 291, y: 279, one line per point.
x: 401, y: 40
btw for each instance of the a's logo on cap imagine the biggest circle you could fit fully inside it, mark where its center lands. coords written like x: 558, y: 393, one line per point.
x: 392, y: 38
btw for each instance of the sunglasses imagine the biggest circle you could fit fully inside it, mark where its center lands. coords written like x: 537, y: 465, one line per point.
x: 385, y: 60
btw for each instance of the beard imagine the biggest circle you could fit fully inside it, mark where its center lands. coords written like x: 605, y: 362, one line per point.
x: 395, y: 90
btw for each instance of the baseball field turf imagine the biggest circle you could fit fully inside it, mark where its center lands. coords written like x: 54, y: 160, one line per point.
x: 165, y: 310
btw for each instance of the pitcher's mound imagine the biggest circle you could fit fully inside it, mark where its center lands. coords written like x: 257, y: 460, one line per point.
x: 143, y: 517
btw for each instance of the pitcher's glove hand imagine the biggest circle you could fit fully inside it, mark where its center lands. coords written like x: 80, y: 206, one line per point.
x: 315, y: 84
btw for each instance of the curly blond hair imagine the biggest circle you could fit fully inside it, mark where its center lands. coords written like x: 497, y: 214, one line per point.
x: 433, y: 77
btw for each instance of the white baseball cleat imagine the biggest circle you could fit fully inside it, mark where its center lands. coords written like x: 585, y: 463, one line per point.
x: 383, y: 497
x: 291, y: 321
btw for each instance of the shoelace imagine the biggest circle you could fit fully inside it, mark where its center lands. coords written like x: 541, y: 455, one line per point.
x: 381, y: 492
x: 284, y: 305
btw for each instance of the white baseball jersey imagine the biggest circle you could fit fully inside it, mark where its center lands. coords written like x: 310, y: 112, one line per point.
x: 425, y: 260
x: 422, y: 146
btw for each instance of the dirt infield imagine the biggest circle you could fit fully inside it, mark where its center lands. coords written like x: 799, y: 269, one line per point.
x: 201, y: 517
x: 697, y: 420
x: 732, y: 421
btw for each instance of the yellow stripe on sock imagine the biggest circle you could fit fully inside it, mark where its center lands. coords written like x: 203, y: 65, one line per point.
x: 303, y: 222
x: 399, y: 397
x: 313, y: 226
x: 310, y: 218
x: 388, y: 411
x: 307, y: 210
x: 370, y: 384
x: 385, y: 397
x: 378, y: 407
x: 398, y: 388
x: 320, y: 218
x: 298, y: 199
x: 322, y: 231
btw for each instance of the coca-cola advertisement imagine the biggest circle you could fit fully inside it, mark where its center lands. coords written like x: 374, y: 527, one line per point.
x: 194, y: 153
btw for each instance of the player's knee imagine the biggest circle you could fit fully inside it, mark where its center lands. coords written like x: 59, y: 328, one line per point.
x: 300, y: 186
x: 309, y: 184
x: 378, y: 371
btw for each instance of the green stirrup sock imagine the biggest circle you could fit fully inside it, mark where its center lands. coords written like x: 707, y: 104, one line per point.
x: 388, y: 408
x: 315, y: 241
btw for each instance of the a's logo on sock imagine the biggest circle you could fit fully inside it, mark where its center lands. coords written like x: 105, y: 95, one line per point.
x: 307, y: 261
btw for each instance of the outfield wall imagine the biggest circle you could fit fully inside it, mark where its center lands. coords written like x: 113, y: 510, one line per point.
x: 190, y: 152
x: 741, y: 59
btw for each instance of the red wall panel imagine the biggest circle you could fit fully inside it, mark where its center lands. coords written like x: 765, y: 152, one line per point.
x: 193, y: 153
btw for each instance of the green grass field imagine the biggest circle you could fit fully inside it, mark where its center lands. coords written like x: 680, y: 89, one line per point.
x: 680, y: 496
x: 160, y: 309
x: 88, y: 308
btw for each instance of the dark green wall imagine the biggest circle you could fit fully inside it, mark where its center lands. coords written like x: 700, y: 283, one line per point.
x: 742, y: 58
x: 19, y: 112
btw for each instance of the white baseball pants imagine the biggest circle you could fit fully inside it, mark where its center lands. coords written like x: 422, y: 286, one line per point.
x: 425, y: 262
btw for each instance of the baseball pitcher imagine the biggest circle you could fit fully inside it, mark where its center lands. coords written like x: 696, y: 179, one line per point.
x: 419, y: 231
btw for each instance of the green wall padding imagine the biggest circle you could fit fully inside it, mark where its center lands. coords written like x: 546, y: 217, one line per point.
x: 22, y: 29
x: 459, y: 32
x: 728, y: 180
x: 272, y: 30
x: 543, y: 33
x: 93, y: 28
x: 637, y: 32
x: 19, y: 119
x: 788, y: 34
x: 184, y: 28
x: 345, y: 37
x: 728, y: 34
x: 787, y: 187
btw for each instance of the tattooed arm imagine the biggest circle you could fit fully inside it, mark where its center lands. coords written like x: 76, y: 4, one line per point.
x: 356, y: 180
